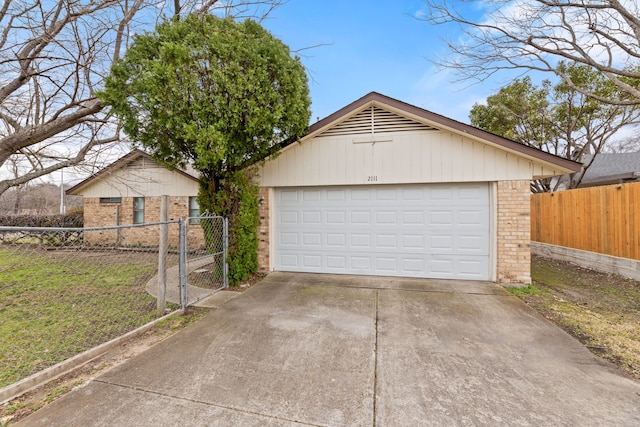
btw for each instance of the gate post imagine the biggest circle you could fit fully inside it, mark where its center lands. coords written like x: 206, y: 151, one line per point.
x: 225, y: 250
x: 182, y: 274
x: 163, y: 248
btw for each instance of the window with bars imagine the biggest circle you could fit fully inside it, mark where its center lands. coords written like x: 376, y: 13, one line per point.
x: 138, y: 210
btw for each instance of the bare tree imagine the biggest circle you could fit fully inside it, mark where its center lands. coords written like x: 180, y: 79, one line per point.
x: 54, y: 56
x: 538, y: 34
x: 625, y: 145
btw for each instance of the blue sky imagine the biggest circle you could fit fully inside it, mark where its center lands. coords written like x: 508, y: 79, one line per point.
x: 373, y: 46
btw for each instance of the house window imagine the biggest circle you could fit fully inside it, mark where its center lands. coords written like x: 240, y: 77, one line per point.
x: 194, y: 209
x: 104, y: 200
x: 138, y: 210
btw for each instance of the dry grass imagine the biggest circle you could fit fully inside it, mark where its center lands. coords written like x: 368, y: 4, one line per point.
x: 601, y: 310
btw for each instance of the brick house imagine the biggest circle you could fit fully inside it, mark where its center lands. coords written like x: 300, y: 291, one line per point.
x: 379, y: 187
x: 129, y: 191
x: 382, y: 187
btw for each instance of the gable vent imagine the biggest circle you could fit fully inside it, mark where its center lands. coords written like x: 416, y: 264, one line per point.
x: 375, y: 120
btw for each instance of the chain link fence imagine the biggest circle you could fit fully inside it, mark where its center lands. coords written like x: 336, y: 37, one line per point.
x: 205, y: 254
x: 65, y: 290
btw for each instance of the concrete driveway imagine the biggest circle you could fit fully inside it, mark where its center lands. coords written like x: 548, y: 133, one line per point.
x: 324, y: 350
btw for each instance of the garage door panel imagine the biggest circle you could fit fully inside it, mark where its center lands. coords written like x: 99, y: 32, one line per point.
x: 288, y: 195
x: 468, y: 243
x: 335, y: 217
x: 441, y: 217
x: 387, y: 264
x: 471, y: 192
x: 413, y: 242
x: 413, y: 218
x: 415, y: 266
x: 360, y: 240
x: 336, y: 263
x: 441, y: 194
x: 289, y: 260
x: 442, y: 267
x: 311, y: 195
x: 439, y: 231
x: 336, y: 240
x: 386, y: 241
x: 336, y: 195
x: 359, y: 195
x: 476, y: 217
x: 360, y: 217
x: 288, y: 239
x: 386, y: 218
x: 311, y: 261
x: 413, y: 194
x: 386, y: 194
x: 468, y: 267
x: 359, y: 262
x: 312, y: 239
x: 440, y: 243
x: 288, y: 217
x: 311, y: 217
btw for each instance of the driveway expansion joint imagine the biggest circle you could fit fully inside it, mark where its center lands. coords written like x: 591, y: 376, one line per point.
x: 229, y: 408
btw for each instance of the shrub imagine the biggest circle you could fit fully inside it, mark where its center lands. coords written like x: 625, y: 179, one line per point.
x: 74, y: 220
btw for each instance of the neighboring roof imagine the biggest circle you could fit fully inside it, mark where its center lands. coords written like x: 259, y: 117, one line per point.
x: 189, y: 172
x: 611, y: 168
x: 441, y: 122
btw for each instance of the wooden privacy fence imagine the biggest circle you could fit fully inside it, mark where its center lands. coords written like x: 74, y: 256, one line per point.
x: 598, y: 219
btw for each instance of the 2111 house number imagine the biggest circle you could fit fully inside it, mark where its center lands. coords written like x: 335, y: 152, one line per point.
x: 372, y: 178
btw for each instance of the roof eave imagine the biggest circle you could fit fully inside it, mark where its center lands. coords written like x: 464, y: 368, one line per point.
x: 118, y: 164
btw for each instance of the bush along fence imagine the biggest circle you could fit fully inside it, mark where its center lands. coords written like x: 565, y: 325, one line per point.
x: 598, y: 219
x: 66, y: 290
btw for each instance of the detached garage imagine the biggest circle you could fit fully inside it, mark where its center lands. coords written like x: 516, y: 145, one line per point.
x: 386, y: 188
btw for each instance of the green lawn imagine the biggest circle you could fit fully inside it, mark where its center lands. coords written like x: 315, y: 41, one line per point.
x: 55, y: 305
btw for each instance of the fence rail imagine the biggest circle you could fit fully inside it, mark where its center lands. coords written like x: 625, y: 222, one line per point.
x: 603, y: 219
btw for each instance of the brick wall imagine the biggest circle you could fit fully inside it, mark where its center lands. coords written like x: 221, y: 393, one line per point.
x: 98, y: 214
x: 263, y: 231
x: 514, y: 232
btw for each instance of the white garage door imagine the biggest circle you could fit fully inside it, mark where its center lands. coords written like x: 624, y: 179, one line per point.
x: 434, y: 230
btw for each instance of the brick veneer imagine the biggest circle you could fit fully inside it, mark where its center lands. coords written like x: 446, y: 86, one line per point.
x: 263, y: 230
x: 512, y: 240
x: 98, y: 214
x: 514, y: 232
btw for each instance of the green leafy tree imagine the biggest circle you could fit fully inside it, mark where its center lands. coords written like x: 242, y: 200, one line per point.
x: 557, y: 118
x: 219, y: 94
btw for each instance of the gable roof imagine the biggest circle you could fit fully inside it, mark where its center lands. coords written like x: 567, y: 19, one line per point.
x: 611, y: 168
x: 433, y: 121
x: 130, y: 157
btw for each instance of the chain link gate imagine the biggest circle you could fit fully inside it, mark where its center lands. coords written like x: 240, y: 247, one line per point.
x: 203, y: 258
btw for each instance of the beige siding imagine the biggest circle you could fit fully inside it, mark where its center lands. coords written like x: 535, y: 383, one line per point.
x: 141, y: 178
x: 401, y: 157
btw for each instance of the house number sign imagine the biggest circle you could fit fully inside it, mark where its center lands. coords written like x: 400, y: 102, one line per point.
x: 372, y: 178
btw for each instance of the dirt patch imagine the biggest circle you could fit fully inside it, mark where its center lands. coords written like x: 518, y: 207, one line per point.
x: 601, y: 310
x: 252, y: 280
x: 30, y: 402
